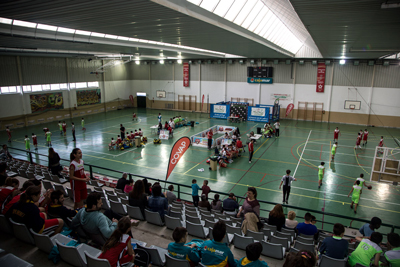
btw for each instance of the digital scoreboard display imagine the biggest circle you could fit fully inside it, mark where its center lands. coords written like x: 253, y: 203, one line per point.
x: 260, y: 72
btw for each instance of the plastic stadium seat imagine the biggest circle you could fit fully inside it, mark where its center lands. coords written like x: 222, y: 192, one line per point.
x: 153, y: 217
x: 305, y: 240
x: 241, y: 242
x: 118, y: 207
x: 280, y: 240
x: 47, y: 185
x: 157, y: 254
x: 61, y: 188
x: 298, y: 245
x: 193, y: 219
x: 276, y: 251
x: 331, y: 262
x: 5, y: 225
x: 196, y: 230
x: 58, y: 180
x: 284, y: 235
x: 258, y: 236
x: 96, y: 262
x: 135, y: 213
x: 172, y: 223
x: 46, y: 243
x: 172, y: 262
x: 76, y: 255
x: 12, y: 260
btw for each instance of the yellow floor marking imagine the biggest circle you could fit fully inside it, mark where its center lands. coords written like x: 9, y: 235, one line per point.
x: 261, y: 145
x: 355, y: 154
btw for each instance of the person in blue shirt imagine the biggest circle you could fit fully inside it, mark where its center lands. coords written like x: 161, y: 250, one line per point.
x: 159, y: 117
x: 182, y: 251
x: 307, y: 228
x: 230, y: 204
x: 195, y: 192
x: 335, y: 246
x: 367, y: 229
x: 253, y: 253
x: 214, y: 252
x: 157, y: 203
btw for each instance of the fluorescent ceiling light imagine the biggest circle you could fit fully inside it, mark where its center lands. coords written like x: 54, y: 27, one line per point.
x: 24, y: 24
x: 137, y: 62
x: 5, y: 21
x: 123, y: 38
x: 110, y: 36
x: 47, y: 27
x: 82, y: 32
x: 66, y: 30
x: 161, y: 61
x: 179, y: 61
x: 342, y: 62
x: 133, y: 39
x: 96, y: 34
x: 140, y: 94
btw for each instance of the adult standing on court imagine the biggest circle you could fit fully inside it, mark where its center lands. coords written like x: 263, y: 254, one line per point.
x: 277, y: 125
x: 287, y: 183
x: 336, y: 133
x: 209, y: 135
x: 122, y: 130
x: 77, y: 178
x: 159, y: 117
x: 73, y: 131
x: 251, y: 149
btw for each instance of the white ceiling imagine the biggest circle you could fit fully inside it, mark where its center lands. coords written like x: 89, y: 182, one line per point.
x: 337, y: 27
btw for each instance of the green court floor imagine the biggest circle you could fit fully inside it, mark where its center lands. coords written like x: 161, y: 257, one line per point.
x: 271, y: 159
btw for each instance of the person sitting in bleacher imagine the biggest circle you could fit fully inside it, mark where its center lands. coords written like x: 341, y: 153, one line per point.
x: 335, y: 246
x: 92, y: 220
x: 215, y: 252
x: 118, y: 248
x: 10, y: 203
x: 367, y: 249
x: 252, y: 259
x: 290, y: 221
x: 137, y: 197
x: 230, y: 204
x: 277, y: 217
x: 367, y: 229
x: 306, y: 227
x: 166, y: 125
x: 392, y: 256
x: 303, y: 258
x: 3, y: 173
x: 8, y: 190
x: 216, y: 204
x: 156, y: 202
x: 57, y: 208
x: 25, y: 211
x: 169, y: 195
x: 180, y: 250
x: 204, y: 202
x: 122, y: 181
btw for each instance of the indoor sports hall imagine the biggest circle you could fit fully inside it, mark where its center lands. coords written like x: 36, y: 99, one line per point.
x: 304, y: 89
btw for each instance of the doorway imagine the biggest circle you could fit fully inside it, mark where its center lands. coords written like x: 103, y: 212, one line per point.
x: 141, y: 101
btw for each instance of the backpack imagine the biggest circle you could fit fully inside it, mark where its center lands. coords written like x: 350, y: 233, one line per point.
x: 142, y: 258
x: 156, y: 141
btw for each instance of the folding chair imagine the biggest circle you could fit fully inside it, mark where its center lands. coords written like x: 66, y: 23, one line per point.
x: 118, y: 207
x: 241, y: 242
x: 196, y: 230
x: 153, y: 217
x: 276, y: 251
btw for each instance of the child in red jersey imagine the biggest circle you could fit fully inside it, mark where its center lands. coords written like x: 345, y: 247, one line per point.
x: 380, y: 151
x: 118, y: 248
x: 336, y: 133
x: 8, y: 134
x: 77, y: 178
x: 34, y: 139
x: 365, y: 137
x: 358, y: 142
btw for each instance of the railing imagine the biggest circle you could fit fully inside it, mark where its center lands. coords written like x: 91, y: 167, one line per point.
x: 181, y: 192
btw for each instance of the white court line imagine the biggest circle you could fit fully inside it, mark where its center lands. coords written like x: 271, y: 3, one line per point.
x: 351, y: 165
x: 341, y: 145
x: 361, y: 156
x: 125, y: 152
x: 368, y: 199
x: 298, y: 163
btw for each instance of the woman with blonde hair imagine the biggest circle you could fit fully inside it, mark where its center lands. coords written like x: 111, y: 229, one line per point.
x: 290, y: 222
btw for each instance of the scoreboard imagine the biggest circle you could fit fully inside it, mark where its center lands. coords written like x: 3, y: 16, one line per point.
x: 260, y: 72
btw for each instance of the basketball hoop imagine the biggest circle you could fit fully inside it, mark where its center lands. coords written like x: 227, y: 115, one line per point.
x: 352, y: 107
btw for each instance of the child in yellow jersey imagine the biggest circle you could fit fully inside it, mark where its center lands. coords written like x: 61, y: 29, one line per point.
x: 355, y: 198
x: 253, y: 253
x: 321, y: 172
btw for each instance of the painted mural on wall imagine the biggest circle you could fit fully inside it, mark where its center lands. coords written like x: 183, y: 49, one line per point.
x: 45, y: 102
x: 88, y: 97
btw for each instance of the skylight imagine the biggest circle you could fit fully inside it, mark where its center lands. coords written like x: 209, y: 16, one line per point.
x: 256, y: 17
x: 110, y: 36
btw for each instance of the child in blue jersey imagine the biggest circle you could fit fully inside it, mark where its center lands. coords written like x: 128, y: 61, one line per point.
x: 182, y: 251
x: 253, y: 253
x: 216, y: 253
x: 195, y: 192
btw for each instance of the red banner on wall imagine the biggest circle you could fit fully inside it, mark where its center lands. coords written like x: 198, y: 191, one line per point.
x: 289, y: 109
x: 177, y: 152
x: 186, y: 74
x: 321, y: 77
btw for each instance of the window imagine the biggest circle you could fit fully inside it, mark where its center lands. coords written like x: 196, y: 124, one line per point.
x: 81, y: 85
x: 27, y: 88
x: 93, y: 84
x: 72, y: 86
x: 63, y: 86
x: 55, y: 86
x: 36, y: 88
x: 45, y: 87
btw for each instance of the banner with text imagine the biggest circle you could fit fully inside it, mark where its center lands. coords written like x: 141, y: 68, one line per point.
x: 185, y: 74
x: 220, y: 111
x: 259, y: 80
x: 258, y: 114
x: 88, y: 97
x: 177, y: 152
x: 281, y: 97
x: 45, y: 102
x: 321, y: 77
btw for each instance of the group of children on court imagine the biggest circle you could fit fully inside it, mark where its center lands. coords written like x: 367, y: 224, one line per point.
x: 47, y: 134
x: 126, y: 141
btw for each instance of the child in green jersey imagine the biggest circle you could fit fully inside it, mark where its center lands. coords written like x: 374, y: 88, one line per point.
x: 60, y: 126
x: 392, y: 256
x: 83, y: 125
x: 333, y: 151
x: 366, y: 250
x: 356, y: 195
x: 27, y: 143
x: 321, y: 172
x: 48, y: 138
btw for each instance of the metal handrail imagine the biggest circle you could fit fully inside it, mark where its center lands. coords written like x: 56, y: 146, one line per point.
x: 217, y: 192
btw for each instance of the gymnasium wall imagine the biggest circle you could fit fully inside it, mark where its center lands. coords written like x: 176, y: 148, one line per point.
x: 376, y: 85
